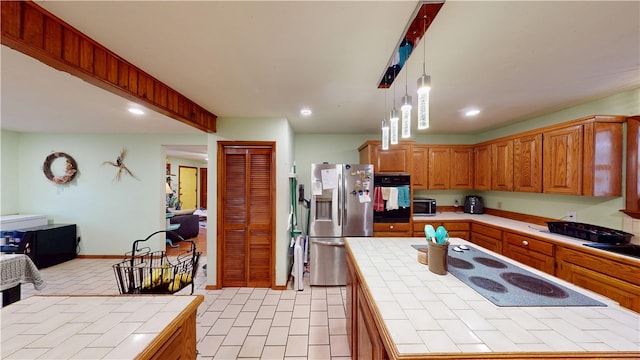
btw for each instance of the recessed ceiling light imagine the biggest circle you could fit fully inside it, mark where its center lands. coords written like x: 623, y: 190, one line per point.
x: 305, y: 112
x: 472, y: 112
x: 136, y: 111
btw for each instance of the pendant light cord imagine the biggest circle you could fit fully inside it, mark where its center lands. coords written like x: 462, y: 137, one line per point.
x: 424, y: 46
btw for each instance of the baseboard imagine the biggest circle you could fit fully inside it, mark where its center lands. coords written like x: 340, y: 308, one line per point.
x: 100, y: 256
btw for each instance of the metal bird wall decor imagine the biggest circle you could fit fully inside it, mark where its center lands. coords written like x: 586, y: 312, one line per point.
x: 122, y: 168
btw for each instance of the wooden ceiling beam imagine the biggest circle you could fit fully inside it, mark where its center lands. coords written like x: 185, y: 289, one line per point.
x: 30, y: 29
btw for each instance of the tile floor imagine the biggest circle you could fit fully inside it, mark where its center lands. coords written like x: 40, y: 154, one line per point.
x: 233, y: 323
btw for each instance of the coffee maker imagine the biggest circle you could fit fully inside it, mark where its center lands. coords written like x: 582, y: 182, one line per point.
x: 473, y: 204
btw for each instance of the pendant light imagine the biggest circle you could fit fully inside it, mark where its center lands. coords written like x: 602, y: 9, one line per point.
x: 385, y: 135
x: 406, y: 110
x: 393, y: 121
x: 424, y: 87
x: 385, y: 126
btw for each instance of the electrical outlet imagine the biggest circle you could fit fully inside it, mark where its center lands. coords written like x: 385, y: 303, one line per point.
x: 499, y: 204
x: 572, y: 216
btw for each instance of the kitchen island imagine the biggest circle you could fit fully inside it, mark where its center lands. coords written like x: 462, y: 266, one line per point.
x: 398, y: 309
x: 101, y: 327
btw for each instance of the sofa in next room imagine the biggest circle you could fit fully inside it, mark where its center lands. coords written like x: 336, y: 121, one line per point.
x: 189, y: 225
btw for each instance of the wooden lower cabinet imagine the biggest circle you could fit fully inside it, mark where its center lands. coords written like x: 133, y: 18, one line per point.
x: 530, y: 251
x: 457, y: 229
x: 615, y: 279
x: 362, y: 333
x: 392, y: 229
x: 488, y: 237
x: 350, y: 302
x: 181, y: 344
x: 369, y: 342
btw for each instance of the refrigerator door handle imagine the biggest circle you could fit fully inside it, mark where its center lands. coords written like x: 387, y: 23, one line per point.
x: 328, y: 243
x: 340, y: 190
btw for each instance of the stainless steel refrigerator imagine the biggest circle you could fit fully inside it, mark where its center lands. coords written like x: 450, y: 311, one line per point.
x: 341, y: 206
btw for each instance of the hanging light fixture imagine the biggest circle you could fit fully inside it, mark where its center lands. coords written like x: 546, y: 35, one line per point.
x: 393, y: 120
x: 424, y: 87
x: 406, y: 111
x: 385, y: 135
x: 385, y: 126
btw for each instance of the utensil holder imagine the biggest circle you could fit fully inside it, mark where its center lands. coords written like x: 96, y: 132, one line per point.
x: 437, y: 257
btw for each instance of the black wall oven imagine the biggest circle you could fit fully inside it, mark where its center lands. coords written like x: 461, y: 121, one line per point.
x: 382, y: 183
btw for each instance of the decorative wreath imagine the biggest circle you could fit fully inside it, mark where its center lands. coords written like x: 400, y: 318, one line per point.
x: 70, y: 172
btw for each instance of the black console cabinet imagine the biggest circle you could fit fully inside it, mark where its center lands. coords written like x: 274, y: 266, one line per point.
x: 49, y: 245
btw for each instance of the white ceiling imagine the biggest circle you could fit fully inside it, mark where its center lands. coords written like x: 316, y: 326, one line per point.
x: 513, y: 60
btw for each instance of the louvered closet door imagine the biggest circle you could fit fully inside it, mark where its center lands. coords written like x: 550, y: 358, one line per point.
x: 247, y: 217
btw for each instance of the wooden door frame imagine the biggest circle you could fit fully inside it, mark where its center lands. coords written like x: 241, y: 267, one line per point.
x: 203, y: 175
x: 220, y: 211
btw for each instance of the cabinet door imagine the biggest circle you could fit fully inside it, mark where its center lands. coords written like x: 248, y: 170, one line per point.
x: 482, y: 167
x: 351, y: 301
x: 439, y: 167
x: 562, y: 166
x: 396, y: 160
x: 461, y: 167
x: 420, y: 169
x: 369, y: 342
x: 502, y: 165
x: 527, y: 163
x: 611, y: 278
x: 602, y: 162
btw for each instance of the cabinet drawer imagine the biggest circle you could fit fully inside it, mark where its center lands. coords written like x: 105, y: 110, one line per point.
x: 418, y: 226
x: 392, y: 227
x: 531, y: 244
x: 487, y: 231
x: 459, y: 234
x: 487, y: 242
x: 456, y: 226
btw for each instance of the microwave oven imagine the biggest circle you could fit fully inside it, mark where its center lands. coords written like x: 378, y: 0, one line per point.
x: 424, y: 206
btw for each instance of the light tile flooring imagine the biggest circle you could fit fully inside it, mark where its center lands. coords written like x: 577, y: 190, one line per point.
x: 233, y: 323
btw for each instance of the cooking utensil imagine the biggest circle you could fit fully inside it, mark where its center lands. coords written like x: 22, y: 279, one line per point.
x: 442, y: 235
x: 430, y: 232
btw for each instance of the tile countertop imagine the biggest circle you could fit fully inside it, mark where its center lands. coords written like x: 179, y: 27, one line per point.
x: 87, y: 327
x: 424, y: 313
x: 521, y: 226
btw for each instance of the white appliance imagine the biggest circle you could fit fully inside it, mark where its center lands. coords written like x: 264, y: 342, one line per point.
x: 341, y: 206
x: 15, y: 222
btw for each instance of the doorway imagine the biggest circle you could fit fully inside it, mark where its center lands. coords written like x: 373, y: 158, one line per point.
x: 246, y: 203
x: 188, y: 186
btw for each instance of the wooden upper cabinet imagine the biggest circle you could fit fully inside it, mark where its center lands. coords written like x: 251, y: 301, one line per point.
x: 502, y: 165
x: 420, y: 166
x: 584, y: 159
x: 461, y: 168
x: 602, y: 167
x: 398, y: 159
x: 482, y: 167
x: 562, y: 153
x: 632, y: 206
x: 527, y: 163
x: 439, y: 167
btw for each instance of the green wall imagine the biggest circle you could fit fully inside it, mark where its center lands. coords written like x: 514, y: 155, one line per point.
x: 310, y: 148
x: 112, y: 214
